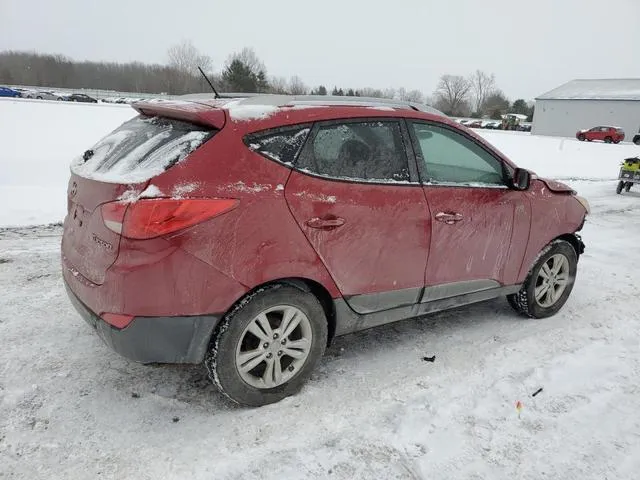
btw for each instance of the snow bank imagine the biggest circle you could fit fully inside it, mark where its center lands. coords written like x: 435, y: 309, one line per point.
x: 38, y: 140
x: 562, y: 158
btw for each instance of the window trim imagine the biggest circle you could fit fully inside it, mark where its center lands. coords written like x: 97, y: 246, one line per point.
x: 421, y: 164
x: 414, y: 178
x: 247, y: 140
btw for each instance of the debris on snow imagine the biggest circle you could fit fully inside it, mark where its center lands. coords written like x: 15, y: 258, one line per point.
x: 536, y: 392
x: 429, y: 359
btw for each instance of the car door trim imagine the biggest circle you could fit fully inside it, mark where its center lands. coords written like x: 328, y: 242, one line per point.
x: 453, y: 289
x: 380, y: 301
x: 350, y: 321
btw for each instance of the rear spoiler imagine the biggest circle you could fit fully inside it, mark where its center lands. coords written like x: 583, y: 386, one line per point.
x: 197, y: 113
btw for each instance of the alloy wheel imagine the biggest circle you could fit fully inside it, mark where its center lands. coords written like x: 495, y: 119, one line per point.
x: 552, y: 280
x: 274, y: 346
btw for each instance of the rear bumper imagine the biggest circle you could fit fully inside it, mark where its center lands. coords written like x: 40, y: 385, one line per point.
x: 154, y: 339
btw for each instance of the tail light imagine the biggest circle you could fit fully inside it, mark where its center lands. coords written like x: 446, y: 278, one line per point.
x: 151, y: 218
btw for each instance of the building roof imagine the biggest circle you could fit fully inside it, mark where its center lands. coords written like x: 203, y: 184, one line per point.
x: 600, y: 89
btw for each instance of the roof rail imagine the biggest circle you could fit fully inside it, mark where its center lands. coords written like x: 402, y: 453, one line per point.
x: 317, y: 100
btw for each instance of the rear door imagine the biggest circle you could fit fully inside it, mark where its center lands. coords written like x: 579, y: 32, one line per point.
x: 360, y: 205
x: 480, y: 227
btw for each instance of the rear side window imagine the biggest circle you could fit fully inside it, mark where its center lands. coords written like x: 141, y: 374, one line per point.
x: 140, y: 149
x: 281, y: 145
x: 361, y: 151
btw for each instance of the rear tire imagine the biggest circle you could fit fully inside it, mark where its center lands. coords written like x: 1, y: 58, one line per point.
x: 619, y: 187
x: 252, y: 358
x: 637, y: 141
x: 549, y: 283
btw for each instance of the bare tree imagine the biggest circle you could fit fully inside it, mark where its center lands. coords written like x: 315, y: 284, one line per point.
x: 297, y: 86
x: 389, y: 93
x: 482, y: 86
x: 415, y: 96
x: 278, y: 85
x: 249, y: 58
x: 186, y: 58
x: 370, y: 92
x: 451, y: 93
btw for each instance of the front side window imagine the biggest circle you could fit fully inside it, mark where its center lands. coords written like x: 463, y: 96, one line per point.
x: 370, y: 151
x: 448, y: 157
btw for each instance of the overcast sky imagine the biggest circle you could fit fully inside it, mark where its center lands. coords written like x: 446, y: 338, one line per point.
x: 530, y: 45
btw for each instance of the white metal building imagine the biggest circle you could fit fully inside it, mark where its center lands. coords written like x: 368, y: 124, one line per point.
x: 582, y: 104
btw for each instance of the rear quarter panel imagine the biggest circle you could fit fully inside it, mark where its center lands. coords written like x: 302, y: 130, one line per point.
x: 257, y: 242
x: 552, y: 215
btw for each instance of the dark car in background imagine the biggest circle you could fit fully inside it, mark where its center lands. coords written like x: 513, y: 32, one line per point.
x: 9, y: 92
x: 605, y: 134
x: 636, y: 138
x: 81, y: 97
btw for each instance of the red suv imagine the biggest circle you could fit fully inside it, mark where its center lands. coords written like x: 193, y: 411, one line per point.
x: 605, y: 134
x: 248, y: 233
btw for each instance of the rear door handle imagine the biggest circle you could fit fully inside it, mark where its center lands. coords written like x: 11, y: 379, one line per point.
x: 325, y: 223
x: 448, y: 218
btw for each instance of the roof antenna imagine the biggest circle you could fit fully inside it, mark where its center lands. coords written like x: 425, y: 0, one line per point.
x: 216, y: 95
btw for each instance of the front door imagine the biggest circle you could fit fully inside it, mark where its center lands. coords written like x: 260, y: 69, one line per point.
x: 363, y: 210
x: 480, y: 227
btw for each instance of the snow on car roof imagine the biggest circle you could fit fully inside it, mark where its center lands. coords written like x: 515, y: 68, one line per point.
x: 596, y: 89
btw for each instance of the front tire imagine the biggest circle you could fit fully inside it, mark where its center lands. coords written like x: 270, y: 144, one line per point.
x: 549, y: 283
x: 265, y: 349
x: 608, y: 140
x: 581, y: 137
x: 619, y: 187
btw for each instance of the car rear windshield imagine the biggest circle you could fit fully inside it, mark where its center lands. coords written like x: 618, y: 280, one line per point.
x: 140, y: 149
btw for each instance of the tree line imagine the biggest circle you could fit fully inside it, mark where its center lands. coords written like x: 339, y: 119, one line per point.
x: 476, y: 95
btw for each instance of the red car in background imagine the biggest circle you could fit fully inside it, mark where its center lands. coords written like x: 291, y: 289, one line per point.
x: 246, y: 234
x: 603, y: 133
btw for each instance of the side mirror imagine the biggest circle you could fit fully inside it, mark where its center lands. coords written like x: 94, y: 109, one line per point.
x: 521, y: 179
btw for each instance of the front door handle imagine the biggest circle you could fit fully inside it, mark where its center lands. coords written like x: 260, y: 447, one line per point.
x: 325, y: 223
x: 448, y: 218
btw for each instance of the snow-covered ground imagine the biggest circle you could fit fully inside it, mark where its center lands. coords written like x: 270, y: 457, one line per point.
x: 38, y: 140
x: 72, y: 408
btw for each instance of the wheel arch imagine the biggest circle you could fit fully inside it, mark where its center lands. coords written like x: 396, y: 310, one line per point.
x: 307, y: 285
x: 575, y: 241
